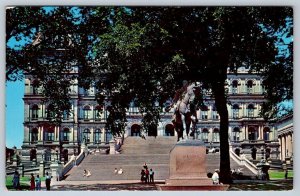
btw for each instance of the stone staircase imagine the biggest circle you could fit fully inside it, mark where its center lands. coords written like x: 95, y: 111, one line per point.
x: 135, y: 151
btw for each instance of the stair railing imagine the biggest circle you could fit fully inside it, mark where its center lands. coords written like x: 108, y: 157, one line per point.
x: 244, y: 161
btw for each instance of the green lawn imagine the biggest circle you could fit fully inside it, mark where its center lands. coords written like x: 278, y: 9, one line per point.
x: 24, y: 182
x: 280, y: 174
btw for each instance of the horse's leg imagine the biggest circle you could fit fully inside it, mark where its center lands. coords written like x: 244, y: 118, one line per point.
x: 188, y: 121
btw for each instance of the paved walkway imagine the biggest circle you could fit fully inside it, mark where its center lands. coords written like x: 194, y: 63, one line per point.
x: 132, y: 185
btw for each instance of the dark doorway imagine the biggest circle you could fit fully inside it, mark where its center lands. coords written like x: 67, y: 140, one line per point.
x: 32, y: 154
x: 169, y: 130
x: 135, y: 130
x: 152, y: 130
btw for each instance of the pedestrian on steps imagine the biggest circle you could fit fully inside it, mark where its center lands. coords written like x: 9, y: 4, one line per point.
x: 147, y: 175
x: 143, y: 176
x: 151, y: 175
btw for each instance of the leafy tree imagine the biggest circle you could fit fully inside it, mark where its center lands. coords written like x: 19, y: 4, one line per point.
x: 142, y: 54
x: 197, y: 44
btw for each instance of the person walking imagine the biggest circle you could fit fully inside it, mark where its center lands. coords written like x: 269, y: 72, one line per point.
x: 32, y: 182
x: 38, y: 183
x: 147, y: 175
x: 151, y: 175
x: 48, y: 181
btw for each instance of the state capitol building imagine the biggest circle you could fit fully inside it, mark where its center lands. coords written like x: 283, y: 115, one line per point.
x: 249, y: 134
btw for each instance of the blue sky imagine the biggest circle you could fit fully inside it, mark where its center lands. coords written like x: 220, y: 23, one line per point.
x: 14, y: 113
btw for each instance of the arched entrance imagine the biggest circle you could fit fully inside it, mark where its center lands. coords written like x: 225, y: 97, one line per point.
x: 135, y: 130
x: 169, y: 130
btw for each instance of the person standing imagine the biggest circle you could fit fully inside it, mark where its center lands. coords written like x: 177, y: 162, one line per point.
x: 143, y: 175
x: 147, y: 175
x: 38, y: 183
x: 48, y: 181
x: 151, y: 175
x: 16, y: 180
x: 32, y: 182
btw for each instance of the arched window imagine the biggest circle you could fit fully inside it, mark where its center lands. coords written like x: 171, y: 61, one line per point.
x: 234, y: 87
x: 204, y: 112
x: 66, y: 135
x: 249, y: 86
x: 97, y: 136
x: 250, y: 111
x: 86, y: 112
x: 216, y: 135
x: 86, y: 136
x: 236, y: 134
x: 34, y: 135
x: 97, y: 112
x: 266, y: 133
x: 205, y: 135
x: 235, y: 111
x: 34, y: 112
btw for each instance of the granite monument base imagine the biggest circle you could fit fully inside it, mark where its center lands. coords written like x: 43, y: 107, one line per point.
x: 188, y: 168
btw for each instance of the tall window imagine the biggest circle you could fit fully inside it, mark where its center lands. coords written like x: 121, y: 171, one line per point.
x: 205, y: 135
x: 266, y: 133
x: 236, y: 134
x: 86, y: 136
x: 50, y: 112
x: 66, y: 115
x: 252, y: 134
x: 97, y: 136
x: 250, y: 110
x: 50, y: 135
x: 108, y: 136
x: 204, y: 112
x: 98, y: 110
x: 234, y: 87
x: 34, y: 135
x: 249, y: 86
x: 66, y: 134
x: 215, y: 114
x: 216, y: 135
x: 35, y: 112
x: 235, y: 111
x: 86, y: 112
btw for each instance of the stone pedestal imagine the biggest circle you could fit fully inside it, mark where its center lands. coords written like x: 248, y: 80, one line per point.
x: 112, y: 149
x: 188, y: 168
x: 56, y: 170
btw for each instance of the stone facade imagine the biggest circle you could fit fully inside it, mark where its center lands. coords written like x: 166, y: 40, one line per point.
x: 247, y: 131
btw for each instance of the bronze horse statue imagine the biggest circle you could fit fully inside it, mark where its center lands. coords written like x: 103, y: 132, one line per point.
x: 185, y: 111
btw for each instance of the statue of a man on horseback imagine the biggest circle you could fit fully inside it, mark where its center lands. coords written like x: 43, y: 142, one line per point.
x: 185, y: 110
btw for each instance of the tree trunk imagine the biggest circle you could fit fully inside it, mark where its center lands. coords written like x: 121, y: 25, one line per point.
x: 221, y: 105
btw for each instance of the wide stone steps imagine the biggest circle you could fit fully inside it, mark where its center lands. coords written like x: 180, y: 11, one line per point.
x: 135, y: 151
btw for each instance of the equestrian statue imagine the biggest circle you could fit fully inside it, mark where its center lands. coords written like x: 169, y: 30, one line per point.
x: 185, y: 110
